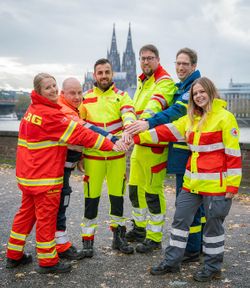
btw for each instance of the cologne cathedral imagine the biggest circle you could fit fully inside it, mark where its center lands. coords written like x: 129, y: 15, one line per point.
x: 125, y: 73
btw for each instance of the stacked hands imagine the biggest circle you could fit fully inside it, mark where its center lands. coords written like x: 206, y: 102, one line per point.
x: 130, y: 130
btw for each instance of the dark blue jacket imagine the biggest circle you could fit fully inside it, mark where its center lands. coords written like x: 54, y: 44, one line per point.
x: 178, y: 152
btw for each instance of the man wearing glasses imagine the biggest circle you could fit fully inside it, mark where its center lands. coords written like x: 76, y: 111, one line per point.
x: 154, y: 93
x: 178, y: 153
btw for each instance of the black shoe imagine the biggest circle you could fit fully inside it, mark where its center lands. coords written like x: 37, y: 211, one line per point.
x: 72, y: 254
x: 58, y: 268
x: 136, y: 234
x: 26, y: 259
x: 88, y: 248
x: 119, y: 241
x: 163, y: 268
x: 191, y: 257
x: 205, y: 275
x: 147, y: 245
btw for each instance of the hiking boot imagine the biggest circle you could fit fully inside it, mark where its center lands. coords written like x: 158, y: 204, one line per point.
x: 119, y: 241
x: 191, y: 257
x: 88, y: 248
x: 163, y: 268
x: 147, y: 245
x: 26, y: 259
x: 58, y: 268
x: 205, y: 275
x: 72, y: 254
x: 136, y: 234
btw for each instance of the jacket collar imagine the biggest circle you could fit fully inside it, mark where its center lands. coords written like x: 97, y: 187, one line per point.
x: 159, y: 72
x: 39, y: 99
x: 189, y: 80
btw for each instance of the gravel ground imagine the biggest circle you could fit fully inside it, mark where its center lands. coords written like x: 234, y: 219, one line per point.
x: 110, y: 268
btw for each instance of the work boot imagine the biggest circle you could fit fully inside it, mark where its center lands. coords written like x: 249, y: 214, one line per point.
x: 26, y: 259
x: 136, y: 234
x: 147, y: 245
x: 163, y: 268
x: 88, y: 248
x: 205, y: 275
x: 119, y: 241
x: 58, y: 268
x: 191, y: 257
x: 72, y: 254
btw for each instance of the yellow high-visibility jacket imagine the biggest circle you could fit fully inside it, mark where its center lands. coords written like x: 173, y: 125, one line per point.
x: 214, y: 167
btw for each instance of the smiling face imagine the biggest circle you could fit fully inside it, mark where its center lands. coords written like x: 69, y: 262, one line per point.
x: 183, y: 66
x: 149, y: 62
x: 48, y: 89
x: 200, y: 96
x: 103, y: 76
x: 72, y: 92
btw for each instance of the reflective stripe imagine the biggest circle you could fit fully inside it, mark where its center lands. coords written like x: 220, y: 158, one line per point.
x: 38, y: 145
x: 99, y: 142
x: 154, y: 135
x: 213, y: 251
x: 178, y: 232
x: 129, y: 119
x: 47, y: 255
x: 138, y: 218
x: 70, y: 164
x: 181, y: 103
x: 175, y: 132
x: 149, y: 111
x: 87, y: 125
x: 15, y: 247
x: 18, y: 236
x: 206, y: 148
x: 233, y: 152
x: 156, y: 217
x: 215, y: 239
x: 177, y: 243
x: 46, y: 245
x: 61, y: 237
x: 109, y: 136
x: 154, y: 228
x: 195, y: 229
x: 88, y: 231
x: 40, y: 182
x: 203, y: 176
x: 114, y: 127
x: 203, y: 219
x: 235, y: 171
x: 160, y: 99
x: 184, y: 147
x: 163, y: 77
x: 67, y: 133
x: 141, y: 211
x: 127, y: 109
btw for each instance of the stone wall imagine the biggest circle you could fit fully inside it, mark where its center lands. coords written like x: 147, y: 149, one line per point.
x: 8, y: 142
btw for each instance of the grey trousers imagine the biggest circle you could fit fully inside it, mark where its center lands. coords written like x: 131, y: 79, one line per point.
x: 216, y: 209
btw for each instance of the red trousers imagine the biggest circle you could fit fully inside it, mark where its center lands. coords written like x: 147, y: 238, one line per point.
x: 41, y: 209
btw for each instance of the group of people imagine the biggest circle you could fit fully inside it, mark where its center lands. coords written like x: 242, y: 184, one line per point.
x: 180, y: 128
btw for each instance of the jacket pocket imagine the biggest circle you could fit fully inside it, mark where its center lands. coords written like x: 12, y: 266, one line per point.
x: 219, y: 206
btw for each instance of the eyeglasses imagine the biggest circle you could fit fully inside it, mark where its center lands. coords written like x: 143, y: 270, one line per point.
x: 149, y: 58
x: 185, y: 64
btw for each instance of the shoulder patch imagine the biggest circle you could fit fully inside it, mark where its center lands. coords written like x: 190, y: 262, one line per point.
x: 185, y: 96
x: 234, y: 132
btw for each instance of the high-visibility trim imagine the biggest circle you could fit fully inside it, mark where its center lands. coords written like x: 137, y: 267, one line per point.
x: 140, y: 211
x: 213, y: 251
x: 177, y: 243
x: 203, y: 176
x: 129, y: 119
x: 154, y: 228
x: 38, y: 145
x: 154, y: 135
x: 162, y: 78
x: 47, y: 255
x: 40, y: 182
x: 160, y: 99
x: 235, y: 171
x: 70, y: 164
x: 46, y: 245
x: 138, y: 218
x: 68, y: 132
x: 233, y: 152
x: 18, y: 236
x: 109, y: 136
x: 126, y: 109
x: 182, y: 104
x: 15, y: 247
x: 175, y: 132
x: 203, y: 220
x: 214, y: 239
x: 99, y: 142
x: 104, y: 158
x: 117, y: 220
x: 61, y: 237
x: 149, y: 111
x: 89, y: 100
x: 156, y: 218
x: 179, y: 232
x: 195, y: 229
x: 88, y: 230
x: 184, y: 147
x: 206, y: 148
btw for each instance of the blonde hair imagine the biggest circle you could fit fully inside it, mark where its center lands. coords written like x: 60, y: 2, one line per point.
x: 193, y: 109
x: 37, y: 81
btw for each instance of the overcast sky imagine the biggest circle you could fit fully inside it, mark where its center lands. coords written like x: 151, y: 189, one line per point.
x: 66, y: 37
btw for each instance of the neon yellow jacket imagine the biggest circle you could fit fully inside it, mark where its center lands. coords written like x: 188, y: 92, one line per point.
x: 214, y: 166
x: 110, y: 110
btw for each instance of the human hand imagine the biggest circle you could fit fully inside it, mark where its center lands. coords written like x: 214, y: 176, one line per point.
x: 80, y: 166
x: 229, y: 195
x: 137, y: 127
x: 126, y: 137
x: 120, y: 146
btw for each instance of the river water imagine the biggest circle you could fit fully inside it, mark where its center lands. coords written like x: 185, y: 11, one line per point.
x: 13, y: 125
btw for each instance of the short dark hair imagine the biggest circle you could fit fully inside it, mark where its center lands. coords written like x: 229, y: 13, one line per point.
x: 149, y: 47
x: 101, y: 62
x: 191, y: 54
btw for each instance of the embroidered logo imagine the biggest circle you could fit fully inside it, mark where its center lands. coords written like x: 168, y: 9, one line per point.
x: 185, y: 96
x: 234, y: 132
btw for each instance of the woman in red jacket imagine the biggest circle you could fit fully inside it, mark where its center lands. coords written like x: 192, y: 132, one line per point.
x: 41, y: 152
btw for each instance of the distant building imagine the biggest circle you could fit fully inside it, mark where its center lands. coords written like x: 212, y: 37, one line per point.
x: 125, y: 74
